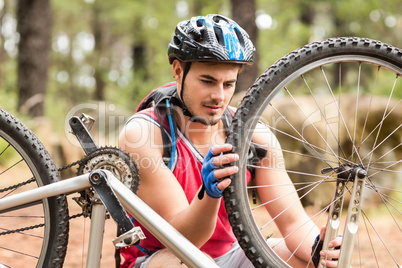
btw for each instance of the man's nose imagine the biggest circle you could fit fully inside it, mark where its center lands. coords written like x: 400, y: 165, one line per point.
x: 218, y: 93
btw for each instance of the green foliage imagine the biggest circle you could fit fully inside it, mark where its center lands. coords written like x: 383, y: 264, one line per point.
x: 129, y: 24
x: 292, y: 27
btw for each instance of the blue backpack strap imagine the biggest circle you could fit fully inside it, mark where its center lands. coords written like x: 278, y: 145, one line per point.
x: 173, y: 127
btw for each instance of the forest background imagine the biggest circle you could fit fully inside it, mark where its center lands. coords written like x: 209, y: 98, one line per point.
x: 59, y: 58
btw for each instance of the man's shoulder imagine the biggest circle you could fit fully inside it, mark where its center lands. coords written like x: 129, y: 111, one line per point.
x: 147, y: 115
x: 143, y: 127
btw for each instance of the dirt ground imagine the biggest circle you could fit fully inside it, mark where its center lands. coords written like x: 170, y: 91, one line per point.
x: 79, y: 231
x: 78, y: 241
x: 75, y: 257
x: 77, y: 246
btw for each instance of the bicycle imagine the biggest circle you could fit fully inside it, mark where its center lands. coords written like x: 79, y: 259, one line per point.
x: 321, y: 147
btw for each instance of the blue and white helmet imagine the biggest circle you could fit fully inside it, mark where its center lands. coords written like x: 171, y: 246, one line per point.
x: 210, y: 38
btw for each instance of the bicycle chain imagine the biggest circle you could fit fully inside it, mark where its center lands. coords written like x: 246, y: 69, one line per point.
x: 16, y: 186
x: 35, y: 226
x: 81, y: 164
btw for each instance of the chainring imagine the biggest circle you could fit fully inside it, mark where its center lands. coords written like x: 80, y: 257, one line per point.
x: 114, y: 160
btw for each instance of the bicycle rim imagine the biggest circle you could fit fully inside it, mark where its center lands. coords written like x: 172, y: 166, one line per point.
x: 330, y: 104
x: 25, y: 164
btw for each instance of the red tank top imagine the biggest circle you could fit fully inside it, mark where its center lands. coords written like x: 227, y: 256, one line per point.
x: 187, y: 170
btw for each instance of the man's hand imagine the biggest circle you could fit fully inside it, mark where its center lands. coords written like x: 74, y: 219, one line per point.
x: 214, y: 172
x: 332, y: 254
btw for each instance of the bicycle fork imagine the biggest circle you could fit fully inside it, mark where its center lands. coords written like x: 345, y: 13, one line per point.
x: 346, y: 173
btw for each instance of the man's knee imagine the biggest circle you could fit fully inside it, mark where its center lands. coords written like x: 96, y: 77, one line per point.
x: 165, y: 258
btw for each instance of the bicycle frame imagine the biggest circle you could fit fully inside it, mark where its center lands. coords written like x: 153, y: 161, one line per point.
x: 154, y: 223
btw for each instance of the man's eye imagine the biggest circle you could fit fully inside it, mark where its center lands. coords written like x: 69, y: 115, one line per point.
x: 207, y: 81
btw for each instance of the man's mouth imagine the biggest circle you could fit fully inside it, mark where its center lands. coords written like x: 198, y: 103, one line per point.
x: 213, y: 108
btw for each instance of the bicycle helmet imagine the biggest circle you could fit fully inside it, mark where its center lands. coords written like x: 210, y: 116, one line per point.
x: 210, y: 38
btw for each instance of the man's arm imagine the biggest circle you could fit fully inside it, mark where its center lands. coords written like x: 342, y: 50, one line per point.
x: 294, y: 217
x: 160, y: 189
x: 287, y: 209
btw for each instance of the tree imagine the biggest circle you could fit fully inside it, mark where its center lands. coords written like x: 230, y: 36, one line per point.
x: 34, y: 27
x: 243, y: 12
x: 98, y: 29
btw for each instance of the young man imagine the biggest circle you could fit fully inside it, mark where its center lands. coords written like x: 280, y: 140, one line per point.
x: 206, y: 54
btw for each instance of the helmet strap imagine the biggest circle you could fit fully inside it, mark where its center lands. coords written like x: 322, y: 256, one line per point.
x: 185, y: 72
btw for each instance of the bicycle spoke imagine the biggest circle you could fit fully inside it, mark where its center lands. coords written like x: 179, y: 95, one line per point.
x: 356, y: 109
x: 314, y: 184
x: 369, y: 106
x: 370, y: 240
x: 302, y: 139
x: 387, y: 203
x: 379, y: 144
x: 290, y: 171
x: 386, y: 170
x: 378, y: 125
x: 380, y: 238
x: 321, y: 213
x: 323, y: 116
x: 12, y: 166
x: 18, y: 252
x: 5, y: 149
x: 390, y: 151
x: 287, y: 208
x: 315, y: 128
x: 391, y: 165
x: 340, y: 114
x: 297, y: 153
x: 382, y: 121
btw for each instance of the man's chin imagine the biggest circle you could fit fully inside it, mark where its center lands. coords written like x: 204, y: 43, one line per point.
x: 212, y: 121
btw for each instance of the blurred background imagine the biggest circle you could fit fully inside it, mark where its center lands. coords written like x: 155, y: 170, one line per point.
x: 59, y: 58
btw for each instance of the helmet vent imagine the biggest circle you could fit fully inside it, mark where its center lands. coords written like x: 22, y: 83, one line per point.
x: 200, y: 23
x: 176, y: 40
x: 219, y: 36
x: 239, y: 36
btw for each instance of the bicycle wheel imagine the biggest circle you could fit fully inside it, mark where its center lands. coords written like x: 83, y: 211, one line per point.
x: 25, y: 164
x: 330, y: 104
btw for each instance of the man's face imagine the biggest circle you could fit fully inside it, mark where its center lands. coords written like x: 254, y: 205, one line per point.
x: 208, y: 88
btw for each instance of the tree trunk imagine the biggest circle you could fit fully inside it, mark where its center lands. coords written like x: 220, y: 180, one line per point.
x: 139, y: 55
x: 243, y: 12
x: 99, y: 30
x: 34, y: 26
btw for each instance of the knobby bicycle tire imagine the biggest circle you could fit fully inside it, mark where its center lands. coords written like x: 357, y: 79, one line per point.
x: 278, y: 81
x: 24, y: 162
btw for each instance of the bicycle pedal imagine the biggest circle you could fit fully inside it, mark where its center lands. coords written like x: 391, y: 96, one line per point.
x: 129, y: 238
x: 88, y: 121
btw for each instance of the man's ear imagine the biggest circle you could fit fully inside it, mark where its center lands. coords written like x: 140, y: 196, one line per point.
x: 177, y: 71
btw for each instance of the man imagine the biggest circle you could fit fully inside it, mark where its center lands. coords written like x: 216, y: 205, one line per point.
x: 206, y: 54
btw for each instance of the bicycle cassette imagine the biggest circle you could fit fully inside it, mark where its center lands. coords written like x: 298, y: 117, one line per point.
x: 115, y: 160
